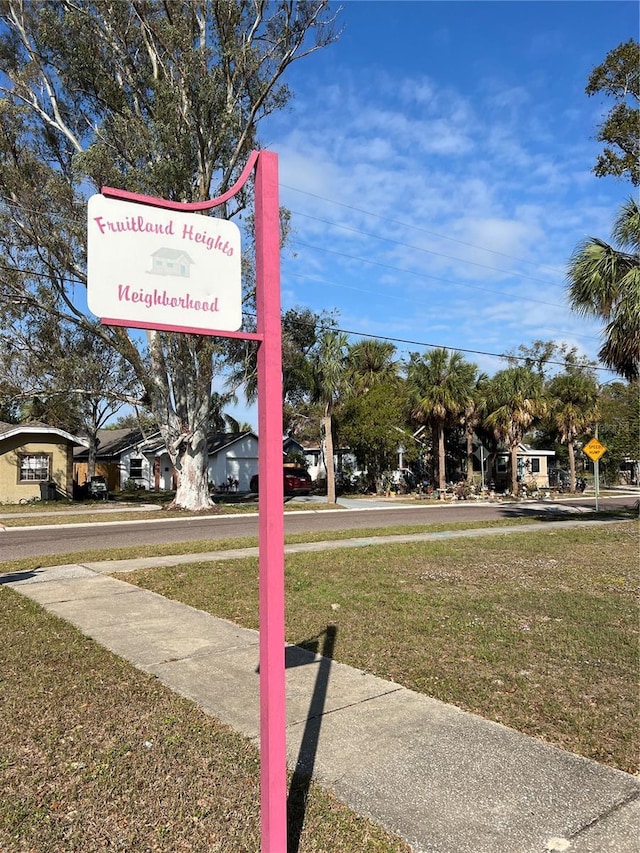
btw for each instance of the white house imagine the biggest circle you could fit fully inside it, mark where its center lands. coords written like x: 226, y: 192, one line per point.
x: 233, y: 457
x: 127, y: 457
x: 343, y: 459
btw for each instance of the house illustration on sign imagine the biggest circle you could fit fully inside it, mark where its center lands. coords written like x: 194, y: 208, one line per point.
x: 171, y: 262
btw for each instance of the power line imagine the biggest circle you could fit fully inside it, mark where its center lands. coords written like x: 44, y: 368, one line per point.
x: 396, y: 242
x: 391, y: 339
x: 346, y: 331
x: 426, y: 275
x: 420, y: 228
x: 397, y: 297
x: 38, y: 274
x: 427, y: 251
x: 378, y: 263
x: 70, y: 280
x: 82, y: 203
x: 364, y: 260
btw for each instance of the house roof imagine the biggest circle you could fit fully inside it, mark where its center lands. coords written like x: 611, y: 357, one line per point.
x: 216, y: 441
x: 523, y: 449
x: 293, y: 444
x: 10, y: 430
x: 171, y: 254
x: 526, y: 450
x: 113, y: 442
x: 224, y: 439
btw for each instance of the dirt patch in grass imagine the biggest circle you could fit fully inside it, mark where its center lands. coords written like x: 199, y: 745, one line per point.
x: 537, y: 631
x: 95, y: 755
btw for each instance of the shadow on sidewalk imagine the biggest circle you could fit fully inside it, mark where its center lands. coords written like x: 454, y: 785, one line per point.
x: 14, y: 577
x: 300, y: 655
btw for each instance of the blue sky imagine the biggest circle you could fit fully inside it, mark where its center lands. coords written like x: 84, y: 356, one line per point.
x: 437, y: 162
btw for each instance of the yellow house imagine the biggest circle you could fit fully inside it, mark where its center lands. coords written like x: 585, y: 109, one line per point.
x: 533, y: 467
x: 36, y: 461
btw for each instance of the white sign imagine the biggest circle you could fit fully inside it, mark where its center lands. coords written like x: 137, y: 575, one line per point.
x: 152, y: 268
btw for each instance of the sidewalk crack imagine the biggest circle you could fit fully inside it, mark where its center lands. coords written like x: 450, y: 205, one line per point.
x: 604, y: 815
x: 349, y: 705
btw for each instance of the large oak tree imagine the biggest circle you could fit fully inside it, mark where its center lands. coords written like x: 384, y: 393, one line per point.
x: 618, y: 77
x: 163, y: 99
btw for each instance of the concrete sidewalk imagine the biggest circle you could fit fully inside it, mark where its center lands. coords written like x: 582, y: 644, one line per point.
x: 444, y: 780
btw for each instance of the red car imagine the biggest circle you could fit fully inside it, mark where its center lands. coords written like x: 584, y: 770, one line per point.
x: 296, y: 482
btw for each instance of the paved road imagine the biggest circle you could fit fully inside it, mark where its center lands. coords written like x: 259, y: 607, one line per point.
x: 68, y: 539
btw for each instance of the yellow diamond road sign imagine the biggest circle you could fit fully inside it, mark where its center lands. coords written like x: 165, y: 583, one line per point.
x: 594, y: 449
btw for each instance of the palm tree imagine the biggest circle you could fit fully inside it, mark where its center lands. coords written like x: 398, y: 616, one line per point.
x: 515, y: 399
x: 441, y: 385
x: 329, y: 379
x: 605, y: 282
x: 219, y: 420
x: 371, y: 362
x: 573, y: 409
x: 471, y: 418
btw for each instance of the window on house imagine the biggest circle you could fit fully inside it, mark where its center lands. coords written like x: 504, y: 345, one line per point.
x: 34, y: 467
x: 135, y: 468
x: 535, y: 466
x: 502, y: 464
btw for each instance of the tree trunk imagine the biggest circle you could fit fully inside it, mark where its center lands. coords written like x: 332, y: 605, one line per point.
x: 328, y: 459
x: 514, y: 468
x: 572, y: 465
x: 91, y: 458
x: 470, y: 456
x: 180, y: 403
x: 191, y: 464
x: 442, y: 478
x: 491, y: 468
x: 433, y: 456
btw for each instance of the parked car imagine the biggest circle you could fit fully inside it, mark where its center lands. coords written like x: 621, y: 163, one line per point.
x: 296, y: 481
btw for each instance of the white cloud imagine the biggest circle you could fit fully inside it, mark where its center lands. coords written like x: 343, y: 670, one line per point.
x: 422, y: 92
x: 511, y: 98
x: 488, y: 172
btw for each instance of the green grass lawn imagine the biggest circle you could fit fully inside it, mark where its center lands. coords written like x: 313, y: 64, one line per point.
x: 537, y: 631
x: 97, y: 756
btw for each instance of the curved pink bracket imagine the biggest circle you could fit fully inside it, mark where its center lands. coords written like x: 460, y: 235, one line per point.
x: 125, y: 195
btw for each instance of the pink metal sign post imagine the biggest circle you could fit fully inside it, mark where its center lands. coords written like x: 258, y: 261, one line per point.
x: 273, y: 774
x: 271, y: 529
